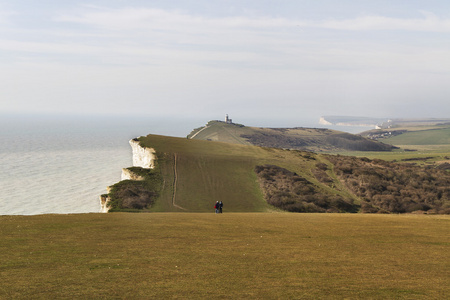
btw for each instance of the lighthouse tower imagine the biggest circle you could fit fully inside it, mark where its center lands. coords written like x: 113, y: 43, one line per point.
x: 228, y: 120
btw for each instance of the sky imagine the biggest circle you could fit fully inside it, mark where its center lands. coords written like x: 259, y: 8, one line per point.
x: 279, y: 62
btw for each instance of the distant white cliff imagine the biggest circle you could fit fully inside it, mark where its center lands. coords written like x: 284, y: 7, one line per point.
x: 324, y: 122
x: 351, y: 121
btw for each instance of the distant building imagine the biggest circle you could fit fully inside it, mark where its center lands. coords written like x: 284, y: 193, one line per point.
x: 228, y: 120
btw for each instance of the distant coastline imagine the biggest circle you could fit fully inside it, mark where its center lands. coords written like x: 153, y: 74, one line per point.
x: 379, y: 123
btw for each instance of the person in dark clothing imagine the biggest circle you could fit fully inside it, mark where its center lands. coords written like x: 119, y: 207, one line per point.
x: 216, y: 207
x: 220, y: 206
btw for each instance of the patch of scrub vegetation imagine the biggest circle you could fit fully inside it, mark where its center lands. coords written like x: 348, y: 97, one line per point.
x: 353, y: 142
x: 393, y: 187
x: 291, y: 192
x: 310, y: 138
x: 136, y: 195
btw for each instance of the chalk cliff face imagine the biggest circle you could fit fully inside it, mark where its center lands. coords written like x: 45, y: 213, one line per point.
x: 142, y: 157
x: 104, y: 201
x: 130, y: 175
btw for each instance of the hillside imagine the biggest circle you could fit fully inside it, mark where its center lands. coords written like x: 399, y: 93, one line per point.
x: 190, y: 175
x: 309, y: 139
x: 197, y: 173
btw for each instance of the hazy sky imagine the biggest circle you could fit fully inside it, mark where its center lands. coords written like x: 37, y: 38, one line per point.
x: 280, y: 60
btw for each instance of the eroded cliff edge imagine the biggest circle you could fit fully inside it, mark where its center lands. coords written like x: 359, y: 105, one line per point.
x: 140, y: 184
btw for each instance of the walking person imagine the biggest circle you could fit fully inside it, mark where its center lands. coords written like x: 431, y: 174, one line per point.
x: 220, y: 206
x: 216, y: 207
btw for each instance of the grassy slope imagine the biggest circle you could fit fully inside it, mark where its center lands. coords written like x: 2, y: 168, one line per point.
x: 214, y: 171
x: 234, y: 256
x: 200, y: 169
x: 220, y: 131
x: 310, y: 139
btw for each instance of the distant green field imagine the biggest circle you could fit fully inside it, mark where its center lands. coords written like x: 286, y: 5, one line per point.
x: 228, y: 256
x: 439, y: 136
x: 434, y: 154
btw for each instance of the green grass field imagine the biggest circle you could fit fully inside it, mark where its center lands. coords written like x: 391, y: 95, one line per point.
x: 228, y: 256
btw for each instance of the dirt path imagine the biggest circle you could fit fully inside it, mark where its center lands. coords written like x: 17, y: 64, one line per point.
x: 175, y: 179
x: 198, y: 132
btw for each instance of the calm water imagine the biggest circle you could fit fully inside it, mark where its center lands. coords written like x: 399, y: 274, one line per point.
x: 62, y: 164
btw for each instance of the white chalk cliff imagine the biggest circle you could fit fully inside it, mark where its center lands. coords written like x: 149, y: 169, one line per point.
x: 104, y: 201
x: 130, y: 175
x: 142, y: 157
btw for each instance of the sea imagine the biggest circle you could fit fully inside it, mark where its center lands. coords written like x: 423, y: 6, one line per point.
x: 60, y: 164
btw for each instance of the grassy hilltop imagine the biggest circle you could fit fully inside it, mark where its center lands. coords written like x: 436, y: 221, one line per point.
x: 192, y: 174
x: 299, y: 138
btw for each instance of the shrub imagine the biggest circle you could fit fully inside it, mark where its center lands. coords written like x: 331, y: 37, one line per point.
x: 394, y: 187
x: 291, y: 192
x: 138, y: 195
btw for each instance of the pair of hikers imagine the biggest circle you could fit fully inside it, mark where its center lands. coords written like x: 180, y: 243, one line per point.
x: 218, y: 207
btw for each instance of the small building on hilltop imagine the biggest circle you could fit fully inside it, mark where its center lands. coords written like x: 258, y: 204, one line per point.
x: 228, y: 120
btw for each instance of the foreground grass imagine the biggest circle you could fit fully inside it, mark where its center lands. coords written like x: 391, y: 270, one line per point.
x: 239, y: 255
